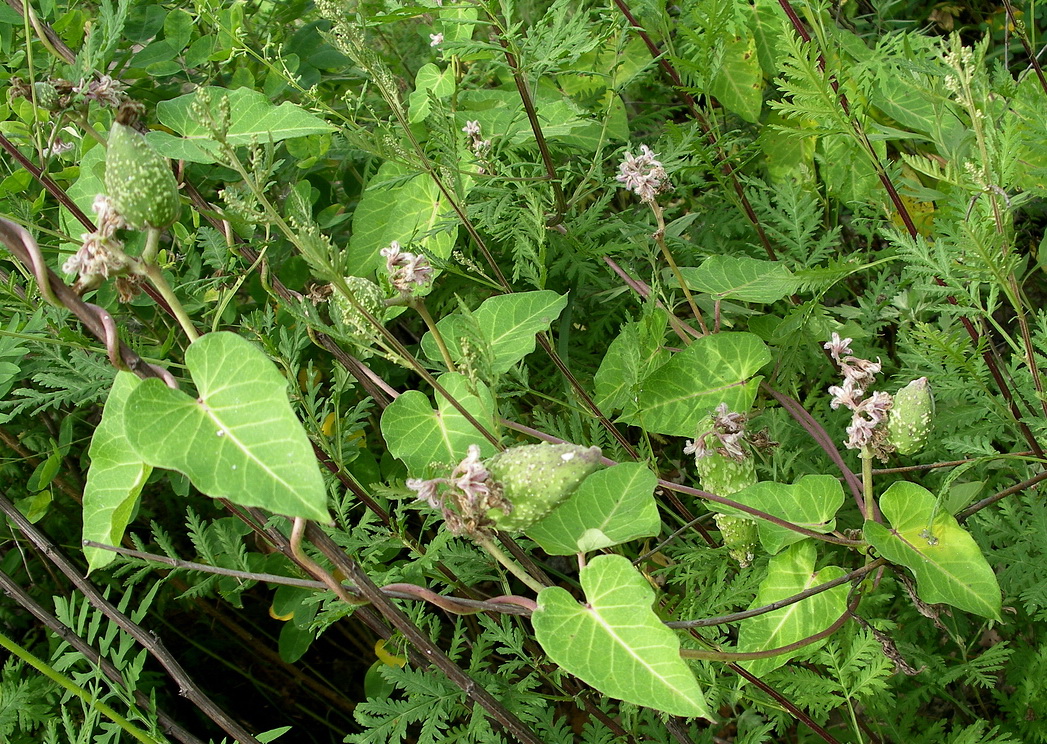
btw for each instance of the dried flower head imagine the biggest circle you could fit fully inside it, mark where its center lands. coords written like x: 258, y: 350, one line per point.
x: 101, y: 254
x: 726, y: 436
x: 643, y: 174
x: 408, y: 272
x: 464, y: 498
x: 867, y: 431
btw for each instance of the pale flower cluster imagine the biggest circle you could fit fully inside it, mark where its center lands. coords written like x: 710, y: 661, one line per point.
x: 408, y: 272
x: 102, y: 252
x: 105, y: 90
x: 463, y: 498
x: 858, y: 375
x: 477, y: 144
x: 728, y: 432
x: 643, y: 175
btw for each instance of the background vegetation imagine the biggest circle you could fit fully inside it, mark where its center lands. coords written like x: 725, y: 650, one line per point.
x: 874, y: 170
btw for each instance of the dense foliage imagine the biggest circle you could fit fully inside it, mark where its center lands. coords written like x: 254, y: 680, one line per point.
x: 539, y: 372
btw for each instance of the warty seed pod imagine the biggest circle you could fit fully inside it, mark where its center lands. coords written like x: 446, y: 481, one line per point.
x: 536, y: 478
x: 139, y: 181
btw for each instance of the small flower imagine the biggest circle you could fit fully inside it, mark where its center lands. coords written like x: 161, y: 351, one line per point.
x: 727, y: 435
x: 643, y: 175
x: 105, y: 90
x: 464, y: 498
x: 436, y: 39
x: 868, y: 416
x: 408, y: 272
x: 472, y: 128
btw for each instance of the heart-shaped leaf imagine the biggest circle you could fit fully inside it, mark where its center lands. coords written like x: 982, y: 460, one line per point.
x: 714, y: 369
x: 948, y: 564
x: 115, y: 479
x: 741, y: 278
x: 811, y: 502
x: 400, y: 206
x: 507, y: 324
x: 789, y: 573
x: 239, y: 439
x: 615, y: 642
x: 610, y: 507
x: 419, y: 435
x: 638, y: 349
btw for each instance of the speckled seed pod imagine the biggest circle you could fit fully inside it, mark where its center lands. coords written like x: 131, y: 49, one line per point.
x: 351, y: 320
x: 724, y: 476
x: 139, y: 181
x: 536, y: 478
x: 46, y: 96
x: 740, y: 535
x: 909, y: 423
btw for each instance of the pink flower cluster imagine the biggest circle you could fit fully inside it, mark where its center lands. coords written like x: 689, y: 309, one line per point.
x: 102, y: 252
x: 643, y: 175
x: 728, y: 431
x: 408, y: 272
x: 465, y: 497
x: 869, y: 413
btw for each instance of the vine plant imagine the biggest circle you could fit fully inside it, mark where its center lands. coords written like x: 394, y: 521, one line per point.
x: 545, y: 354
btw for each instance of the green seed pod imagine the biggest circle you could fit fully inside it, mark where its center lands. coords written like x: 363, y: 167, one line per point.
x: 46, y: 96
x: 350, y: 320
x: 909, y: 422
x: 536, y: 478
x: 139, y: 181
x: 724, y: 475
x: 740, y: 535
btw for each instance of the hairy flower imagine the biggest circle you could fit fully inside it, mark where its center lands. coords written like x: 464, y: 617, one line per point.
x: 643, y: 174
x: 868, y: 416
x: 464, y: 497
x: 727, y: 436
x: 105, y: 90
x: 408, y: 272
x: 101, y: 253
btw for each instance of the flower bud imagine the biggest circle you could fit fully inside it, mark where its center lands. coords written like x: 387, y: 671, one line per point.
x: 909, y: 422
x: 536, y: 478
x: 139, y: 181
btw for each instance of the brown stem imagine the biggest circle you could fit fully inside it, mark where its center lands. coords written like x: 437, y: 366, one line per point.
x: 149, y: 641
x: 1023, y: 36
x: 167, y: 724
x: 415, y: 636
x: 739, y: 616
x: 536, y: 127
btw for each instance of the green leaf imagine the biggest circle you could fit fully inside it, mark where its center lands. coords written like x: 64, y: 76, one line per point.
x: 789, y: 573
x: 397, y: 206
x: 610, y: 507
x: 714, y: 369
x: 254, y: 118
x: 738, y: 83
x: 115, y: 478
x: 811, y: 502
x: 615, y: 642
x: 741, y: 278
x: 419, y: 435
x: 637, y: 349
x: 948, y: 564
x: 508, y: 324
x: 430, y: 78
x: 239, y: 439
